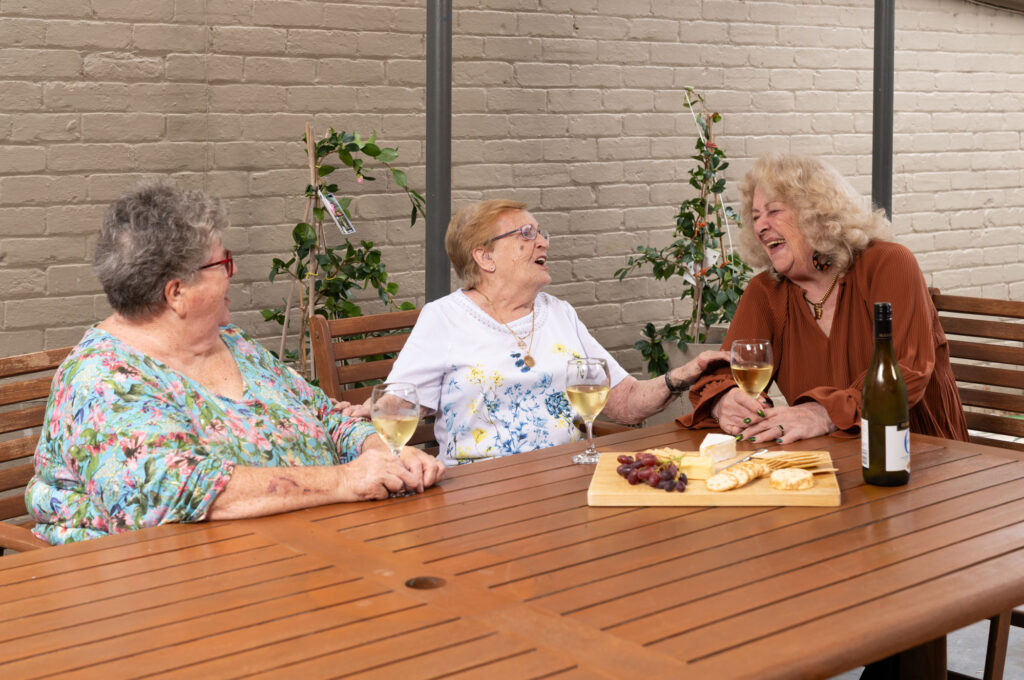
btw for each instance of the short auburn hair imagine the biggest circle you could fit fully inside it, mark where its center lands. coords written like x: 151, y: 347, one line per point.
x: 469, y: 229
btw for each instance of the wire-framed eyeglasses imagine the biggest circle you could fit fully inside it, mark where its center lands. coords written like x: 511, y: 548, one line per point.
x: 528, y: 232
x: 229, y: 264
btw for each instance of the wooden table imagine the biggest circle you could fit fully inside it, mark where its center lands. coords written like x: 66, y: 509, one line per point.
x: 536, y: 582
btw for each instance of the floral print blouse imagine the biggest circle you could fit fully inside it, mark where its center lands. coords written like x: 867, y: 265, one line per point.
x: 489, y: 401
x: 128, y: 443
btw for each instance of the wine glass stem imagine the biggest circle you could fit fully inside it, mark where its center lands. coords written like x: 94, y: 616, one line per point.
x: 591, y: 449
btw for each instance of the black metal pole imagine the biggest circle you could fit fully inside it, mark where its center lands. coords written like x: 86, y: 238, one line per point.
x: 439, y: 146
x: 881, y: 120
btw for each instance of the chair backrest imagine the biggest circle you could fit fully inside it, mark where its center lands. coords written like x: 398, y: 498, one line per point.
x: 986, y: 347
x: 360, y: 349
x: 24, y: 388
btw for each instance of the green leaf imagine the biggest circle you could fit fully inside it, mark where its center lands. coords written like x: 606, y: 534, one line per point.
x: 399, y: 176
x: 388, y: 155
x: 371, y: 149
x: 324, y: 170
x: 304, y: 234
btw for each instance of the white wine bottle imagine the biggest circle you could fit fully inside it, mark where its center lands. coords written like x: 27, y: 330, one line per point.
x: 885, y: 419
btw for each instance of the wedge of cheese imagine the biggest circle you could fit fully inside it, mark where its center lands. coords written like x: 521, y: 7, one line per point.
x: 696, y: 467
x: 718, y: 447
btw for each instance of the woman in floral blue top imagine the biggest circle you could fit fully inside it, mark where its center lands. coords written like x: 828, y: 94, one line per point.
x: 166, y: 413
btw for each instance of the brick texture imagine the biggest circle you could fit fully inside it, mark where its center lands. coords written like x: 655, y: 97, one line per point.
x: 574, y: 106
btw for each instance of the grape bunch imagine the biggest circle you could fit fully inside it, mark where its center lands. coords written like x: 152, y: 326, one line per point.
x: 653, y: 471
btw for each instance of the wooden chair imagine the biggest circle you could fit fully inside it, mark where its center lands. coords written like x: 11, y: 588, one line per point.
x: 988, y: 357
x: 22, y: 404
x: 360, y: 349
x: 987, y: 353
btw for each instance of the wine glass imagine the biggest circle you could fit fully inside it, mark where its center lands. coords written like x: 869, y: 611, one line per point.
x: 395, y: 412
x: 586, y: 384
x: 751, y: 362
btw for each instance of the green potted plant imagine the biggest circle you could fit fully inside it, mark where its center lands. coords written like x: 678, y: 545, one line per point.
x: 327, y: 277
x: 712, y: 276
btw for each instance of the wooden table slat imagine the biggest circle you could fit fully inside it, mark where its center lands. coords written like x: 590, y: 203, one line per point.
x: 55, y: 610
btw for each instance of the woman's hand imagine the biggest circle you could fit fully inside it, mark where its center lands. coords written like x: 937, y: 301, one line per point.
x: 779, y: 425
x: 735, y: 411
x: 352, y: 410
x: 692, y: 370
x: 787, y: 424
x: 377, y: 473
x: 428, y: 468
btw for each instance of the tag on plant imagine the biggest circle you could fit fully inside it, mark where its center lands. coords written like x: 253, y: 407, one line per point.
x: 333, y: 208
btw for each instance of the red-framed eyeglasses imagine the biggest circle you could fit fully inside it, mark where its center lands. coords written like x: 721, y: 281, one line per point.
x: 229, y: 264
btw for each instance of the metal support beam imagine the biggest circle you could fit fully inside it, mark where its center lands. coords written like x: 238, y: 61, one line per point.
x: 881, y: 120
x: 439, y: 146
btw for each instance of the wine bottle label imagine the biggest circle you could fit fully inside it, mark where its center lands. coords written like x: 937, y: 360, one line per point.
x: 897, y: 446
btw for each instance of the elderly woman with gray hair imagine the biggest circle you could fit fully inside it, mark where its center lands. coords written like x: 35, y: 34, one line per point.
x: 165, y: 412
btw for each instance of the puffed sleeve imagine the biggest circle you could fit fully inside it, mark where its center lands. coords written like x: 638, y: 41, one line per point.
x: 118, y: 455
x: 887, y: 272
x: 422, y: 360
x: 754, y: 318
x: 347, y: 433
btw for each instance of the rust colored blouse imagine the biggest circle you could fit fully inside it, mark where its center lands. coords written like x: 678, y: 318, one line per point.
x: 810, y: 366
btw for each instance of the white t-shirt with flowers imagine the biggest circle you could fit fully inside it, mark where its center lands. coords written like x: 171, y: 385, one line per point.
x: 470, y: 370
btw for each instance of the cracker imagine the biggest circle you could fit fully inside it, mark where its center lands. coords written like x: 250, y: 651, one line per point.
x: 723, y: 481
x: 759, y: 469
x: 742, y: 474
x: 792, y: 479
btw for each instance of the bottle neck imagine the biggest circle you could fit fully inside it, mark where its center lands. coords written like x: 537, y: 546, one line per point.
x: 883, y: 331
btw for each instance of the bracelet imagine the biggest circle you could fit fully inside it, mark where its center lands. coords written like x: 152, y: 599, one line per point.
x: 675, y: 390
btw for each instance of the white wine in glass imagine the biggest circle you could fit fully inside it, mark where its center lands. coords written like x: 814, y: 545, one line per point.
x: 751, y: 362
x: 587, y: 383
x: 395, y: 412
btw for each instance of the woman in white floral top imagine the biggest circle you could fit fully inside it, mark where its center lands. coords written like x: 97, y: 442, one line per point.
x: 490, y: 359
x: 166, y: 413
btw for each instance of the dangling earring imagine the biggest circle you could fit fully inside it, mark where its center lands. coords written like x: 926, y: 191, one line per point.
x: 821, y: 262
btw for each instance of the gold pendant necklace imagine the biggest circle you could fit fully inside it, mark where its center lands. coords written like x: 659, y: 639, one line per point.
x: 820, y: 303
x: 520, y: 341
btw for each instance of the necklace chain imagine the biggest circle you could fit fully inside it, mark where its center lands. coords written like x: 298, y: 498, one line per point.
x: 820, y: 303
x: 520, y: 341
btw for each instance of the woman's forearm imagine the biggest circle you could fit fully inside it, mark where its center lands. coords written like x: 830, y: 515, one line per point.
x: 633, y: 400
x: 256, y: 491
x: 376, y: 472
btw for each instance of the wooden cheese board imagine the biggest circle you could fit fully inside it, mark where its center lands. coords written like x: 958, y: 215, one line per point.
x: 608, y: 488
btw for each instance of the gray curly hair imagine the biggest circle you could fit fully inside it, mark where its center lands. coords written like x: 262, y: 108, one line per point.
x: 833, y: 217
x: 154, y: 233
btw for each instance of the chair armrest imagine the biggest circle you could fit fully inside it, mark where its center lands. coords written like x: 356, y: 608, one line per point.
x: 19, y: 538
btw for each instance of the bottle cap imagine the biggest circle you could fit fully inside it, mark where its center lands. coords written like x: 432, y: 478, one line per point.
x: 883, y: 311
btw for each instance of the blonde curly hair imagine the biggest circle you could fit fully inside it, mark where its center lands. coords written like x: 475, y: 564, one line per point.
x: 832, y: 216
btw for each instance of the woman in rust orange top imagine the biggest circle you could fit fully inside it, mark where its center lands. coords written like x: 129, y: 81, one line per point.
x: 827, y: 266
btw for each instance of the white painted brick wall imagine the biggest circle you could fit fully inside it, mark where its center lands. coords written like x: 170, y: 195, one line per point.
x: 574, y: 106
